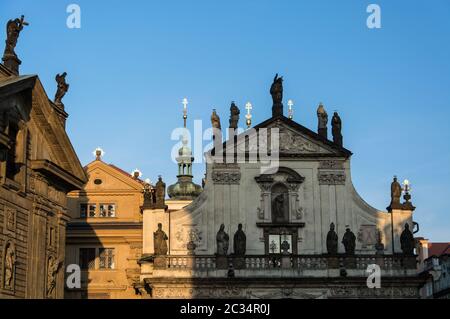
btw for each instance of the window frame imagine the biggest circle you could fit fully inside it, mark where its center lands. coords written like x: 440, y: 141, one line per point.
x: 89, y: 261
x: 85, y: 212
x: 96, y: 262
x: 109, y: 262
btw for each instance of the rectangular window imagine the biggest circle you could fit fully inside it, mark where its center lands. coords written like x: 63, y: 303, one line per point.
x: 92, y: 208
x: 83, y: 210
x: 106, y: 257
x: 87, y: 258
x: 280, y: 244
x: 107, y: 210
x: 274, y: 244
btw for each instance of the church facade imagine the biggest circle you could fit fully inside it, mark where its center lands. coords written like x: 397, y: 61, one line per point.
x: 297, y: 231
x: 294, y: 229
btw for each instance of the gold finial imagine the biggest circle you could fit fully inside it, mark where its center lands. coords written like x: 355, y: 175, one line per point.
x: 98, y: 153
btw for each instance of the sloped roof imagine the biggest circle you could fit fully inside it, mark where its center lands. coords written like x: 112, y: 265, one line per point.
x: 14, y: 84
x: 438, y: 249
x: 127, y: 174
x: 40, y: 111
x: 128, y: 177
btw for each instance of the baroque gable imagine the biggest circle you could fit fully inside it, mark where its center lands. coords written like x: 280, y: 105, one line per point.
x: 294, y: 140
x: 105, y: 176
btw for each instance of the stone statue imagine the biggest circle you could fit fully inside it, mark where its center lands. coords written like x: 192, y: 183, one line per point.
x: 10, y: 261
x: 332, y: 241
x: 322, y: 117
x: 407, y: 242
x: 336, y: 127
x: 278, y: 209
x: 379, y: 246
x: 396, y: 193
x: 52, y: 270
x: 13, y: 29
x: 239, y: 242
x: 285, y: 246
x: 215, y: 120
x: 62, y: 88
x: 148, y: 195
x: 349, y: 241
x: 222, y: 239
x: 160, y: 193
x: 160, y: 241
x: 276, y: 90
x: 234, y: 116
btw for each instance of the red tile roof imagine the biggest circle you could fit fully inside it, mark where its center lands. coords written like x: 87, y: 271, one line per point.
x: 438, y: 249
x: 127, y: 174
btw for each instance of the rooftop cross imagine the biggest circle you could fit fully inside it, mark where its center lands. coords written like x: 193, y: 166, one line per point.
x: 248, y: 107
x: 290, y: 110
x: 185, y: 103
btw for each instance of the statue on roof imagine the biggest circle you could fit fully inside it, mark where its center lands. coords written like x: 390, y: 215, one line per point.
x: 215, y: 120
x: 62, y: 87
x: 234, y: 116
x: 13, y: 28
x: 322, y: 117
x: 336, y: 128
x: 276, y: 90
x: 160, y: 193
x: 396, y: 193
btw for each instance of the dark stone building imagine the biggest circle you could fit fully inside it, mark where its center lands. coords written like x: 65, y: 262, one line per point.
x: 38, y: 166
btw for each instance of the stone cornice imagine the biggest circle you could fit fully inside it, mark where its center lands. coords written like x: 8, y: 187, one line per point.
x: 53, y: 171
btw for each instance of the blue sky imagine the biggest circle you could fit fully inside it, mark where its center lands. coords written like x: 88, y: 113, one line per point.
x: 132, y: 62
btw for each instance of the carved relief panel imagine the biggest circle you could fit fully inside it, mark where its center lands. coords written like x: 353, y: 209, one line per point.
x: 53, y: 267
x: 368, y: 236
x: 9, y: 225
x: 189, y: 233
x: 331, y: 172
x: 226, y: 174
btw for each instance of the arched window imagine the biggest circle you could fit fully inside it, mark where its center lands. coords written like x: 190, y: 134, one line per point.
x: 280, y: 203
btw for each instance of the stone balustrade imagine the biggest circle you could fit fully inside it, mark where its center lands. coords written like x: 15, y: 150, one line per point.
x: 270, y: 262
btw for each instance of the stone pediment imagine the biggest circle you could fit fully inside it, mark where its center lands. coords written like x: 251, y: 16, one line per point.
x: 294, y: 140
x: 111, y: 177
